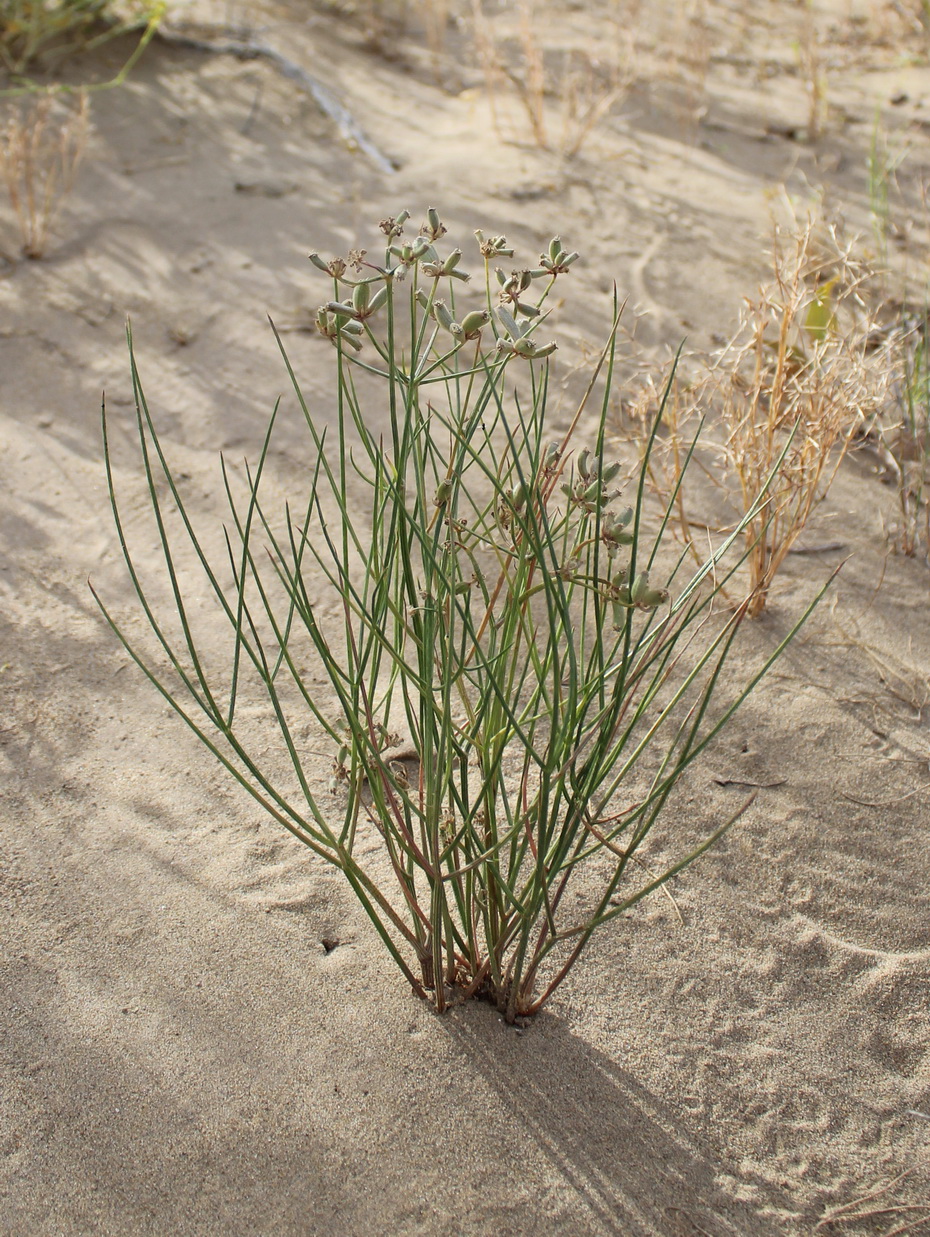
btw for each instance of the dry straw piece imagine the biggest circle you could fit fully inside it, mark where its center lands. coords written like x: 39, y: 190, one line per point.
x: 785, y: 398
x: 42, y: 143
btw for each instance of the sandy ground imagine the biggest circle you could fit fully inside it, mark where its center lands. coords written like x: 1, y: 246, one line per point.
x: 179, y: 1053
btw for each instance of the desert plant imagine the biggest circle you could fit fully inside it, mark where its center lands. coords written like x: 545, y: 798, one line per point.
x: 32, y: 28
x: 902, y: 428
x: 42, y: 143
x: 787, y: 394
x: 511, y: 694
x: 569, y: 87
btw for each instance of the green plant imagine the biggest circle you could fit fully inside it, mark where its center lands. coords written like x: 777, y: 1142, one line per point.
x: 903, y: 431
x: 31, y: 28
x: 511, y: 696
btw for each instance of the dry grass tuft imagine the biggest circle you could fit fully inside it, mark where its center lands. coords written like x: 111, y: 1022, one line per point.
x: 41, y: 145
x: 784, y: 398
x: 561, y: 96
x: 901, y: 430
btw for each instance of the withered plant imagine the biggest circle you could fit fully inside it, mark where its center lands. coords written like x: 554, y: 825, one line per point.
x: 563, y: 91
x: 784, y: 398
x: 42, y: 142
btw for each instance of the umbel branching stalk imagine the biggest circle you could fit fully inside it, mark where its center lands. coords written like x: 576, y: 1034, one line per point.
x: 510, y: 696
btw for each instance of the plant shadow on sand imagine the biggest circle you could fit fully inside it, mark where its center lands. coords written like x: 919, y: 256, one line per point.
x: 626, y: 1152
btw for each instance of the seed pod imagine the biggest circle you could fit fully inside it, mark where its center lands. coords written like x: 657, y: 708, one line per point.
x: 339, y: 309
x: 610, y: 472
x: 434, y: 226
x: 525, y: 347
x: 421, y: 248
x: 442, y: 315
x: 379, y: 298
x: 361, y: 295
x: 352, y: 327
x: 394, y: 225
x: 551, y: 456
x: 423, y: 298
x: 432, y: 270
x: 568, y: 259
x: 473, y: 322
x: 508, y: 323
x: 643, y: 596
x: 584, y: 464
x: 528, y: 311
x: 351, y: 340
x: 501, y: 277
x: 319, y: 263
x: 451, y: 262
x: 504, y: 345
x: 545, y: 350
x: 519, y: 496
x: 443, y: 492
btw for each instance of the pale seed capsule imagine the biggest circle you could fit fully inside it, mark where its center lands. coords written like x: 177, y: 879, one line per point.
x: 551, y: 457
x: 584, y: 463
x: 643, y: 596
x: 319, y: 263
x: 442, y: 315
x: 361, y: 294
x: 545, y: 350
x: 434, y: 224
x: 508, y: 323
x: 339, y: 309
x: 610, y: 472
x: 443, y: 492
x: 473, y: 322
x: 379, y: 298
x: 555, y: 248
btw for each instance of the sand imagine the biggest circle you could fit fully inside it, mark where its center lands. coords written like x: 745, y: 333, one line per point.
x: 180, y: 1054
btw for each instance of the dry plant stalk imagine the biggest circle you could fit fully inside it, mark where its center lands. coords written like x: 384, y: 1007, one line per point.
x: 902, y: 431
x: 813, y: 69
x: 786, y: 395
x: 586, y: 88
x: 41, y: 147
